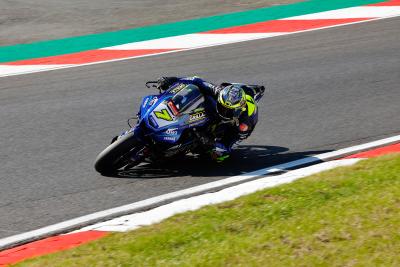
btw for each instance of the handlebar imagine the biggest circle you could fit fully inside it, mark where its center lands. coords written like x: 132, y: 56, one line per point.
x: 259, y: 91
x: 151, y: 84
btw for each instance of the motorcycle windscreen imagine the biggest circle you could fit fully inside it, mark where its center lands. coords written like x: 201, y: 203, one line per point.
x: 188, y: 99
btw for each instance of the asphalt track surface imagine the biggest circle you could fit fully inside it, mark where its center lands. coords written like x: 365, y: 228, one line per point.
x: 327, y: 90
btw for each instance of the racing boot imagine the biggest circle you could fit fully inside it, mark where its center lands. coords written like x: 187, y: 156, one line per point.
x: 220, y: 152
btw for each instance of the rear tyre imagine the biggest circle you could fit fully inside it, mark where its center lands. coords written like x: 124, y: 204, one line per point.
x: 116, y: 155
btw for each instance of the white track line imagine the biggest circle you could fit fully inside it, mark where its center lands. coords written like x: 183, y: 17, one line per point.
x: 154, y: 202
x: 193, y: 41
x: 10, y: 70
x: 156, y: 215
x: 352, y: 12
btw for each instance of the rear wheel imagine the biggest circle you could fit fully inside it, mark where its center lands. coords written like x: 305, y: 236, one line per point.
x: 117, y: 155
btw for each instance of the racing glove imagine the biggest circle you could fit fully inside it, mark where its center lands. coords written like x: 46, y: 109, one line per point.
x: 164, y: 83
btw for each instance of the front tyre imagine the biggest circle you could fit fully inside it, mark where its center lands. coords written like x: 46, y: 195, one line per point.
x: 117, y: 154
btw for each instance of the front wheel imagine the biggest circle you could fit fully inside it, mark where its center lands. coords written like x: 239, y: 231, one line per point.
x: 117, y: 155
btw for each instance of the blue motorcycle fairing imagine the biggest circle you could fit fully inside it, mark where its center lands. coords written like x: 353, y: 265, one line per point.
x: 162, y: 118
x: 147, y: 102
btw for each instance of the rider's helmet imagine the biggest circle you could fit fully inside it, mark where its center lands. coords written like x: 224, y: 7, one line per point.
x: 231, y: 102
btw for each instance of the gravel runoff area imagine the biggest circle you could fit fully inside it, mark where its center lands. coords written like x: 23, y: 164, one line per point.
x: 25, y: 21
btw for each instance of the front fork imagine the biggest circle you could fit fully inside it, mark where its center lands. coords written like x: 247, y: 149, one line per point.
x: 138, y: 154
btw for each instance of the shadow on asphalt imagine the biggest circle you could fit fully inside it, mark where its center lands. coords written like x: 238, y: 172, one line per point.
x: 243, y: 159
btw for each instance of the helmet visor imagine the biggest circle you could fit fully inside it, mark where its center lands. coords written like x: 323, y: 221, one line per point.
x: 228, y: 113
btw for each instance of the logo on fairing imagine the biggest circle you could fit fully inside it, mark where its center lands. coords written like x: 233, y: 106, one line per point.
x: 172, y: 131
x: 164, y: 115
x: 145, y: 102
x: 178, y: 88
x: 197, y: 116
x: 154, y: 100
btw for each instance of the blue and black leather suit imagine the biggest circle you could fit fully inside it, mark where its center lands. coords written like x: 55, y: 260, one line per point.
x: 247, y: 119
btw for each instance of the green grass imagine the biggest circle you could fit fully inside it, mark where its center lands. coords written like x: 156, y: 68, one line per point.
x: 349, y: 216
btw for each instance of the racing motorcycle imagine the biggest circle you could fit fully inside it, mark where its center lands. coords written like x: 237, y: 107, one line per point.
x: 173, y: 123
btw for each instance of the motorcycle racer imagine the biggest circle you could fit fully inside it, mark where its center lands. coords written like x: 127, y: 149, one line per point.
x: 234, y: 103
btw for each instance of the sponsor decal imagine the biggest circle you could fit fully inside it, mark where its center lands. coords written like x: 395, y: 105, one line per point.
x: 169, y: 138
x: 210, y: 85
x: 197, y: 116
x: 178, y: 88
x: 172, y: 131
x: 163, y: 114
x: 145, y: 102
x: 154, y: 100
x: 173, y: 108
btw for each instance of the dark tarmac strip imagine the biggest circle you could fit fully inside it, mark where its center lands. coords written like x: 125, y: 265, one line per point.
x: 327, y: 89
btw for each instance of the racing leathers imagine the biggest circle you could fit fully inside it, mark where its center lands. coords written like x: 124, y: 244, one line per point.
x: 237, y: 130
